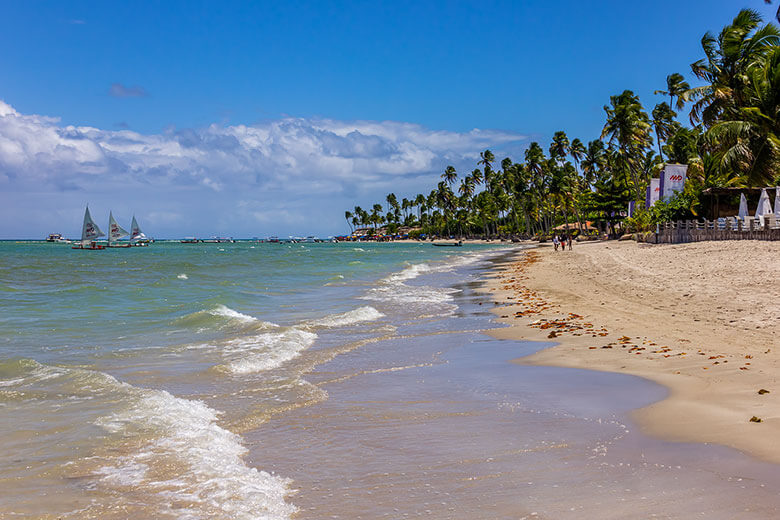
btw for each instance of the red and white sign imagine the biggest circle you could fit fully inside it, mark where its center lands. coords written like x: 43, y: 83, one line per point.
x: 673, y: 179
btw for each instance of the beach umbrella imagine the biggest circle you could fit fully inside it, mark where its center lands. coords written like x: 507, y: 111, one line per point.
x: 764, y: 207
x: 743, y: 211
x: 777, y: 202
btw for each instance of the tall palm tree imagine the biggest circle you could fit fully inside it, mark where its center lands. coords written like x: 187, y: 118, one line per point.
x: 663, y: 117
x: 348, y: 217
x: 676, y: 87
x: 750, y: 138
x: 449, y: 175
x: 725, y: 68
x: 559, y: 148
x: 629, y: 127
x: 577, y: 151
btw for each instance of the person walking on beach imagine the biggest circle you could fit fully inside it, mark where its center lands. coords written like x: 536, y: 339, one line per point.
x: 555, y: 242
x: 568, y: 239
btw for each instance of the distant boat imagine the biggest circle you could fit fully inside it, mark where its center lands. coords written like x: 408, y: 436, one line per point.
x: 189, y: 240
x: 448, y: 244
x: 89, y: 233
x: 218, y: 240
x: 273, y: 240
x: 137, y: 237
x: 115, y: 232
x: 309, y: 239
x: 57, y: 238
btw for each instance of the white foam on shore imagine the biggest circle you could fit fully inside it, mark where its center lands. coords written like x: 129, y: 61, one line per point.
x: 265, y: 351
x: 227, y: 312
x: 182, y: 276
x: 216, y: 481
x: 359, y: 315
x: 168, y: 448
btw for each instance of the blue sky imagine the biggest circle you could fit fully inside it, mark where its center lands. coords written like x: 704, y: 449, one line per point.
x: 255, y: 118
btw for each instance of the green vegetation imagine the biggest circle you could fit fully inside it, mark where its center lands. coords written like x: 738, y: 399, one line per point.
x: 731, y: 139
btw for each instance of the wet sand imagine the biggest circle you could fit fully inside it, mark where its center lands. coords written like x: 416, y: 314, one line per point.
x: 700, y: 319
x: 439, y: 423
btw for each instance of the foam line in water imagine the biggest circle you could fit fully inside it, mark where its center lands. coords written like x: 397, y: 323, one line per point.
x: 173, y: 450
x: 216, y: 482
x: 265, y: 351
x: 359, y: 315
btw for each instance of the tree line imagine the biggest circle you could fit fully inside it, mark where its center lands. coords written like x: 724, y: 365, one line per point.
x: 731, y: 139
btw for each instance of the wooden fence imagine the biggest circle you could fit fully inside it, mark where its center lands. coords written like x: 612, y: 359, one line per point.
x: 684, y: 231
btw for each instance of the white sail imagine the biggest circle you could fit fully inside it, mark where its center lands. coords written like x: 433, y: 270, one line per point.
x: 90, y: 231
x: 115, y: 231
x: 135, y: 230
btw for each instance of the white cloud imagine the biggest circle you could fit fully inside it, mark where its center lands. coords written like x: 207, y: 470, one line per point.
x: 291, y: 167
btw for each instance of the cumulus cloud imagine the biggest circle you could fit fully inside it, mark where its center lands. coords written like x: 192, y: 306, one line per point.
x: 121, y: 91
x: 285, y: 167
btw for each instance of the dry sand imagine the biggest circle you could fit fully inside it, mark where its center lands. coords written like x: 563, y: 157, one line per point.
x: 701, y: 319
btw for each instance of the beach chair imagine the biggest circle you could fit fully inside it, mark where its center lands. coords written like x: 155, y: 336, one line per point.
x: 721, y: 223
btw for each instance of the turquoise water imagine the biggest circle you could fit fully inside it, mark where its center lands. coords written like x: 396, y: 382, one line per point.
x: 279, y: 381
x: 128, y: 376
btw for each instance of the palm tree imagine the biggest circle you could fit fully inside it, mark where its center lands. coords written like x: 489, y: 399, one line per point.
x: 750, y: 138
x: 663, y: 117
x: 449, y: 175
x: 676, y: 87
x: 347, y: 217
x: 559, y: 148
x: 577, y: 151
x: 629, y: 127
x: 725, y: 68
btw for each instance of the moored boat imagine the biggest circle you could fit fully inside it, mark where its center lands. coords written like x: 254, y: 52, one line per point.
x: 115, y: 232
x: 57, y: 238
x: 137, y: 237
x: 89, y: 234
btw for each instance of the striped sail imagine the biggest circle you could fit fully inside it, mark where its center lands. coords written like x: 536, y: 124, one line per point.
x: 115, y: 231
x: 135, y: 230
x: 90, y: 231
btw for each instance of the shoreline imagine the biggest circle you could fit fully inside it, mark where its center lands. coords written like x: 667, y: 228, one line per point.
x: 695, y: 318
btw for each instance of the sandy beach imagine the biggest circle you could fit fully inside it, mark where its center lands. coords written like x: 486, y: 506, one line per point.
x: 700, y: 319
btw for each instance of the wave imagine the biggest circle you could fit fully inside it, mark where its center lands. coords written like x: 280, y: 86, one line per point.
x: 271, y: 349
x: 219, y: 318
x: 265, y: 351
x: 359, y: 315
x: 216, y: 480
x: 168, y: 448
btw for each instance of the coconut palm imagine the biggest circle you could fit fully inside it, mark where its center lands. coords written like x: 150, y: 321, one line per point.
x: 725, y: 68
x: 750, y: 139
x: 628, y: 127
x: 449, y: 175
x: 676, y: 87
x: 663, y: 118
x: 348, y: 217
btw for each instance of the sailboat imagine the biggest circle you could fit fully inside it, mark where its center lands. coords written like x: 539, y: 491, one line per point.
x: 89, y: 233
x: 137, y: 237
x: 115, y: 232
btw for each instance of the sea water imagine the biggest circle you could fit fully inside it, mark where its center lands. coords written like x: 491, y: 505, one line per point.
x: 282, y: 381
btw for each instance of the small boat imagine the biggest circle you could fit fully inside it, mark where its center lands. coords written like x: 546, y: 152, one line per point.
x: 57, y: 238
x: 309, y: 239
x: 273, y: 240
x: 218, y: 240
x: 115, y: 232
x: 137, y: 237
x: 89, y: 233
x: 448, y: 244
x: 189, y: 240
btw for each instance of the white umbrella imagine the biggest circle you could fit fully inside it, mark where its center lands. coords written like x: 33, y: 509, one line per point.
x: 764, y: 207
x: 777, y: 202
x: 743, y: 211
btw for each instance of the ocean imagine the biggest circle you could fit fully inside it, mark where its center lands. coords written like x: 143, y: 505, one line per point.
x: 280, y: 381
